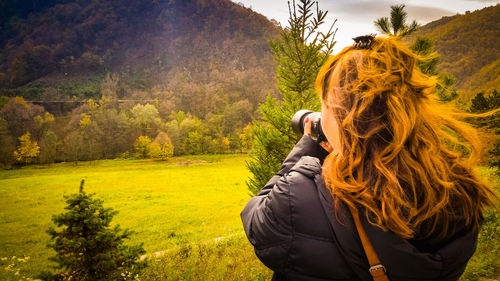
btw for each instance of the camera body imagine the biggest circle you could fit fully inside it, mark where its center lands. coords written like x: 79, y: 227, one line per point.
x: 299, y: 121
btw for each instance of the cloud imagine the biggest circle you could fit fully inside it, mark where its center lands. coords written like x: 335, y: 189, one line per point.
x: 426, y: 14
x: 483, y: 1
x: 355, y: 11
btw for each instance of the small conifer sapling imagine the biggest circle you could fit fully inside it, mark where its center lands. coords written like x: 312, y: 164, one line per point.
x: 87, y: 247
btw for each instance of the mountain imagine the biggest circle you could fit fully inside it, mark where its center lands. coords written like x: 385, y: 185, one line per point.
x: 194, y: 54
x: 469, y: 46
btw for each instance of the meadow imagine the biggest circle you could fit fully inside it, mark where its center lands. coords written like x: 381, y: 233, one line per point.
x: 185, y: 211
x: 184, y: 201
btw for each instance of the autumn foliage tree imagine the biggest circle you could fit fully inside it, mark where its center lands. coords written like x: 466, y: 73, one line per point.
x: 27, y: 149
x: 161, y: 148
x: 141, y: 146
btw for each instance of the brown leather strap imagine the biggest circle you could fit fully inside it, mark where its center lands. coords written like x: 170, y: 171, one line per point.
x: 377, y: 270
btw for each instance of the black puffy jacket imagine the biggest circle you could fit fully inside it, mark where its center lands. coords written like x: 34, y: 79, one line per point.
x: 293, y: 227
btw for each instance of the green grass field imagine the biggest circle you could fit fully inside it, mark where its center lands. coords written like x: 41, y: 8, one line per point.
x: 187, y: 207
x: 187, y: 200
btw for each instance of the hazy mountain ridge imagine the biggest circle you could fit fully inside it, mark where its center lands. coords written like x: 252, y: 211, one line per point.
x: 215, y: 44
x: 469, y: 46
x: 59, y: 49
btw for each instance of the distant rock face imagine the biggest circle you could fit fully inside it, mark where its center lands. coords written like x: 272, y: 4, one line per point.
x: 469, y: 46
x: 200, y: 38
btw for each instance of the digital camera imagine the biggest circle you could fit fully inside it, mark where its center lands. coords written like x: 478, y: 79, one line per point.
x: 299, y: 121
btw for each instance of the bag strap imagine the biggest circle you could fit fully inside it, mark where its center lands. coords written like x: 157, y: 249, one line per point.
x: 377, y: 270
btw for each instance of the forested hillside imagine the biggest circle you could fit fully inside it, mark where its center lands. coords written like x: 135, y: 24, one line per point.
x: 469, y: 46
x: 156, y: 78
x: 130, y: 78
x: 203, y: 52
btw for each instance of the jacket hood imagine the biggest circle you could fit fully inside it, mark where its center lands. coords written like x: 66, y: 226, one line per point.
x: 402, y: 259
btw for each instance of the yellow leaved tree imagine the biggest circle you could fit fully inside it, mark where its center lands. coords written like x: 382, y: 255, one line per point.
x: 27, y: 149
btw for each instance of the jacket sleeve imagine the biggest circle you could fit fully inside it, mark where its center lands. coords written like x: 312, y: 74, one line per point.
x: 305, y: 147
x: 267, y: 217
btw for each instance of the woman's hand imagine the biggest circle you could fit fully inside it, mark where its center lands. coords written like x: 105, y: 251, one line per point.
x: 307, y: 132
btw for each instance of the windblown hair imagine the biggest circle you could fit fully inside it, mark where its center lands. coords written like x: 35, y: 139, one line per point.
x: 402, y: 153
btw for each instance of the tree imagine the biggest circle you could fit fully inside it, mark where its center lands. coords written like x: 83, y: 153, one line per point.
x: 423, y: 47
x: 481, y: 104
x: 300, y: 53
x: 74, y: 146
x: 89, y: 61
x: 246, y: 138
x: 194, y: 143
x: 141, y: 146
x: 109, y: 90
x: 120, y: 134
x: 3, y: 99
x: 27, y: 149
x: 31, y: 64
x: 427, y: 62
x: 494, y: 160
x: 87, y: 248
x: 235, y: 143
x: 397, y: 25
x: 20, y: 116
x: 428, y: 58
x: 146, y: 117
x: 224, y: 144
x: 161, y: 148
x: 92, y: 135
x: 42, y: 124
x: 7, y: 145
x: 48, y: 147
x: 190, y: 135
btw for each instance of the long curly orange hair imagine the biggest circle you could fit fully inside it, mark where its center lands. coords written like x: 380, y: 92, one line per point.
x: 402, y: 153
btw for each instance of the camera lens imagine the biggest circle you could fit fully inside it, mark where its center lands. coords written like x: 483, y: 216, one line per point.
x: 298, y: 124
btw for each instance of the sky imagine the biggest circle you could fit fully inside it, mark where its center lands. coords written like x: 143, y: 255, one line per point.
x: 356, y: 17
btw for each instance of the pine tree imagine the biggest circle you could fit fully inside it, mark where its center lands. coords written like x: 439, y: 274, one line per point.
x: 494, y: 160
x: 300, y: 53
x: 87, y: 247
x: 428, y: 59
x: 427, y: 62
x: 481, y: 104
x: 397, y: 25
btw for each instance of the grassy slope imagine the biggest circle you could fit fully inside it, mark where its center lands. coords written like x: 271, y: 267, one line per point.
x: 167, y: 205
x: 486, y: 260
x: 183, y: 209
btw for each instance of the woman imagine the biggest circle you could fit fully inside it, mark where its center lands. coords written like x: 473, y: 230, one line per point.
x: 396, y: 161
